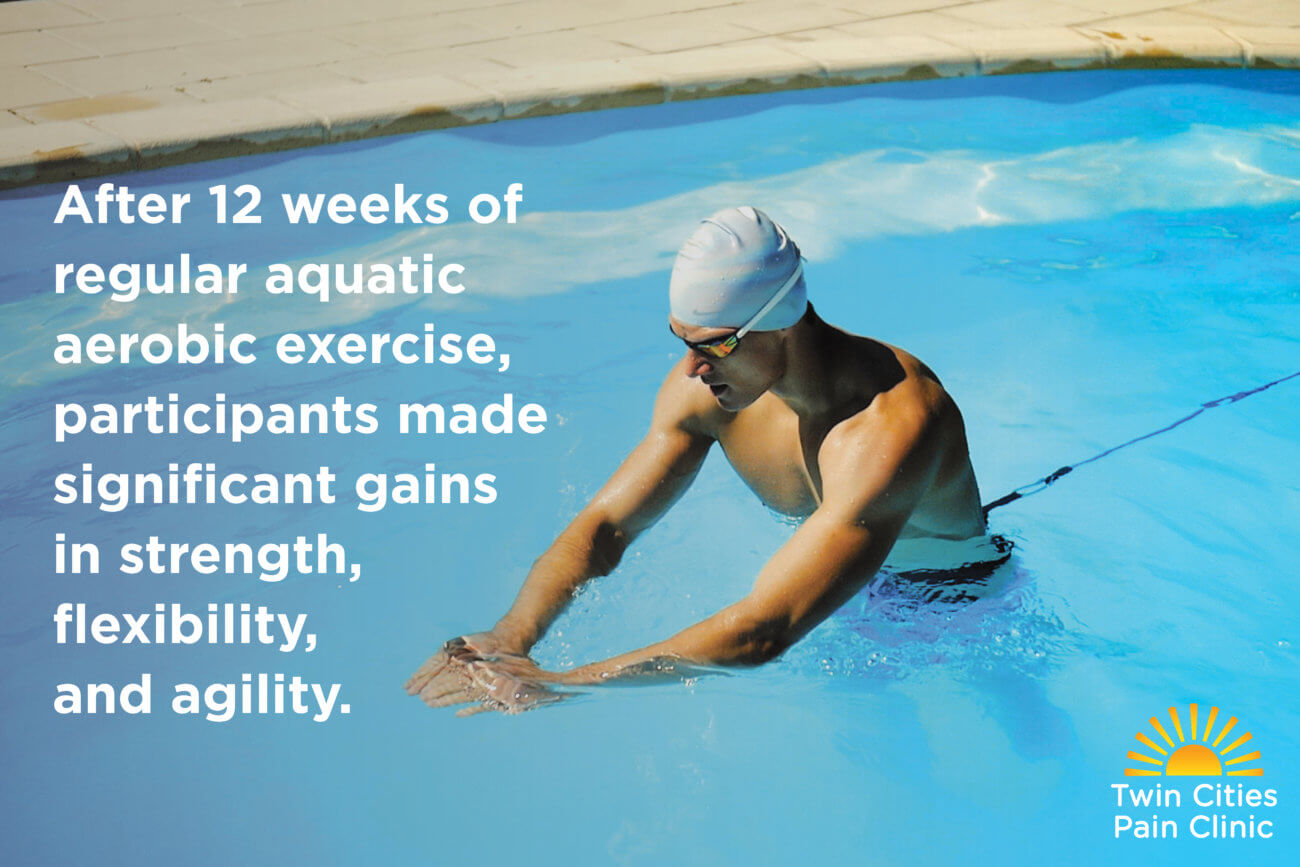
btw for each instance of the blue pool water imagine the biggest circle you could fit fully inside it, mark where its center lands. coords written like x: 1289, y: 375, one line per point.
x: 1082, y: 258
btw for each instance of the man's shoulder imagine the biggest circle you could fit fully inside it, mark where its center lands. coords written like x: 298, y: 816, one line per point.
x: 877, y: 462
x: 897, y: 420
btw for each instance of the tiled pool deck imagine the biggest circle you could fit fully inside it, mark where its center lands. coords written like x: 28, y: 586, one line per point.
x: 97, y: 86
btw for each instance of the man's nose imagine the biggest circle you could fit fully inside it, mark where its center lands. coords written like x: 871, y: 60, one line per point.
x: 696, y: 364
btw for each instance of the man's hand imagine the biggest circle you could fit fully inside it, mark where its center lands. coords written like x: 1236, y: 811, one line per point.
x: 512, y: 684
x: 482, y: 668
x: 481, y: 644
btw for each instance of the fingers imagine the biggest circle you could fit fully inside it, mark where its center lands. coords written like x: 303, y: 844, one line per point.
x: 511, y: 694
x: 459, y: 696
x: 492, y: 704
x: 458, y: 674
x: 455, y: 650
x: 427, y: 669
x: 531, y: 697
x: 451, y: 680
x: 504, y: 698
x: 431, y: 668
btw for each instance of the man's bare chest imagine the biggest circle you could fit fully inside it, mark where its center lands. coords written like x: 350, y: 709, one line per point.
x: 775, y: 458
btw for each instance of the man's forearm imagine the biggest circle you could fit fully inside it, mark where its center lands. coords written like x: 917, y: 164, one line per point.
x: 588, y: 548
x: 739, y: 635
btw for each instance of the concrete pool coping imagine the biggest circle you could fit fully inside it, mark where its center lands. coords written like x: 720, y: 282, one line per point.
x: 124, y: 141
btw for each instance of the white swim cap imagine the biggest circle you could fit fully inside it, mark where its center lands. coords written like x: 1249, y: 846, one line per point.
x: 731, y: 267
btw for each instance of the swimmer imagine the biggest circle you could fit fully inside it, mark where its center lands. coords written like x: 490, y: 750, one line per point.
x: 857, y: 437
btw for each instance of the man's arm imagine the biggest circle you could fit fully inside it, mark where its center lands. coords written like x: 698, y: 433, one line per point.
x: 653, y: 477
x: 649, y: 481
x: 873, y: 481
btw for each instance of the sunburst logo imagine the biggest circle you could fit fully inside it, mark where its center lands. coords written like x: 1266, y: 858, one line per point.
x: 1194, y: 756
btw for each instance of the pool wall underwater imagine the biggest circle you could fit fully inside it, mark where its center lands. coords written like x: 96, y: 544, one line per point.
x: 1083, y: 259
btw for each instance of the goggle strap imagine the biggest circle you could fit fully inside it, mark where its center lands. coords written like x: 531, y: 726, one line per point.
x: 773, y: 301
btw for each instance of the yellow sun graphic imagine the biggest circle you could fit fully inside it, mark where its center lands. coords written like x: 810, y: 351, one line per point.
x: 1189, y: 758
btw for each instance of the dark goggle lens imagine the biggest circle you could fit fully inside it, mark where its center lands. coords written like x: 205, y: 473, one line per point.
x: 720, y: 348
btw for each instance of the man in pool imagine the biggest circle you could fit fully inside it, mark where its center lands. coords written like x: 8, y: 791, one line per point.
x: 857, y: 436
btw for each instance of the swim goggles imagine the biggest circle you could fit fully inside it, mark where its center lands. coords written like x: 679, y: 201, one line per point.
x: 721, y: 347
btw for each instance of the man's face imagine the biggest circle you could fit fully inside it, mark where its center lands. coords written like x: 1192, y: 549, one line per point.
x: 740, y: 378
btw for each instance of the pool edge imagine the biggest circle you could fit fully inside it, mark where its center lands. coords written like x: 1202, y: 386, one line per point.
x: 156, y: 137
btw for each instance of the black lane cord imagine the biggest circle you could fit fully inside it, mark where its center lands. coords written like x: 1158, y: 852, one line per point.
x: 1050, y: 478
